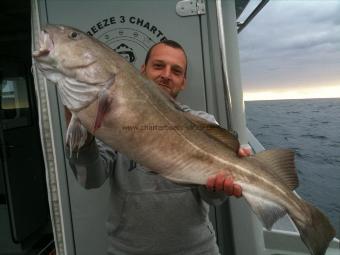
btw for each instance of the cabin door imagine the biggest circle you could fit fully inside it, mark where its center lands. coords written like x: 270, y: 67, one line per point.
x: 22, y: 176
x: 130, y: 28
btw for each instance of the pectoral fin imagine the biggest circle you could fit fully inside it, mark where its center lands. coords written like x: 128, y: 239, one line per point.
x: 104, y: 102
x: 76, y: 134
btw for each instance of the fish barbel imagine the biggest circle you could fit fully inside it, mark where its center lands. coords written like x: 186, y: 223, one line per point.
x: 110, y: 98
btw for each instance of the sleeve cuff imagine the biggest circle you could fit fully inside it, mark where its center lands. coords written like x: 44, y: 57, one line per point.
x: 213, y: 198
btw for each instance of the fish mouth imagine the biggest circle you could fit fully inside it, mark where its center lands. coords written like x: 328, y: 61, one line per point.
x: 45, y: 45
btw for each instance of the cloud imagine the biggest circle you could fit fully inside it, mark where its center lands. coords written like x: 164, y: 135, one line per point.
x: 292, y: 43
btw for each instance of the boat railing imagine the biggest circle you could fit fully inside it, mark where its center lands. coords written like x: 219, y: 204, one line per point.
x: 283, y: 231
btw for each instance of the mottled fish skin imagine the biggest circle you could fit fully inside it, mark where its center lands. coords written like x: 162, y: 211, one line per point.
x: 131, y: 114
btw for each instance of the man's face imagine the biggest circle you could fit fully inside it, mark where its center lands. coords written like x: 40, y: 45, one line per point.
x: 166, y: 66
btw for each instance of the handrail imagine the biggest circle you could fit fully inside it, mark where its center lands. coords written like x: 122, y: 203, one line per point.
x: 225, y: 77
x: 252, y: 15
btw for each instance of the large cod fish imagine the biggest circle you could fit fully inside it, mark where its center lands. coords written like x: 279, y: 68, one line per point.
x: 109, y: 98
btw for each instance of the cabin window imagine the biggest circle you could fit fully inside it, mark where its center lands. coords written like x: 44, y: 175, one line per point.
x: 15, y: 106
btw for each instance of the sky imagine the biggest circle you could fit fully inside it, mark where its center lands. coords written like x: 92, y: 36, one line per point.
x: 291, y: 49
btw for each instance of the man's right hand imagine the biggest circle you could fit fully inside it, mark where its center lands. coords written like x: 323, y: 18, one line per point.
x: 244, y: 152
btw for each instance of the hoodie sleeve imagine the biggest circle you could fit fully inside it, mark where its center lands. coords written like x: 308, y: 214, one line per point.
x: 92, y: 164
x: 212, y: 198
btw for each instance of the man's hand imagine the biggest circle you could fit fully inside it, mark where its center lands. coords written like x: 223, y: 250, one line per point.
x: 244, y: 152
x: 223, y: 183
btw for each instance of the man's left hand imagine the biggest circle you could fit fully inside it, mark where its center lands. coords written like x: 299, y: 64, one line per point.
x: 223, y: 183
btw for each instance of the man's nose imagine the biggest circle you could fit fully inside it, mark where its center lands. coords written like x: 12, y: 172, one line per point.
x: 166, y: 72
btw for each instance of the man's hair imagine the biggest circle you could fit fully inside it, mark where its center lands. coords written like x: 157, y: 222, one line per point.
x: 170, y: 43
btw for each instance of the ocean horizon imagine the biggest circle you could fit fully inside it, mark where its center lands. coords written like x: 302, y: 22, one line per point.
x: 287, y: 99
x: 311, y: 128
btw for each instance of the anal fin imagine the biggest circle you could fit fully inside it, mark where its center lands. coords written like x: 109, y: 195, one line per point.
x: 267, y: 211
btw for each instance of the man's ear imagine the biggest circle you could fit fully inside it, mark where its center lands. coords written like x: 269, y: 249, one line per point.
x: 142, y: 69
x: 184, y: 83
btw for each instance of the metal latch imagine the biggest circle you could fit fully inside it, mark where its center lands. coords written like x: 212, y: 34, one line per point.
x: 190, y: 7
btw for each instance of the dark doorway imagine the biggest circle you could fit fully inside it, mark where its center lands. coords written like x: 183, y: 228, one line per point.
x: 24, y: 214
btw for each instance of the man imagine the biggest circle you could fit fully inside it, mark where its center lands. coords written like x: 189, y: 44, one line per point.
x: 149, y: 214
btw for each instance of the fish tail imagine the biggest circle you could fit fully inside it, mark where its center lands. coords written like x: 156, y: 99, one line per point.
x: 316, y: 231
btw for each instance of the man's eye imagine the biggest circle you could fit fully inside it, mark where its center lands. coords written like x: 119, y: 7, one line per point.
x: 178, y: 72
x: 157, y: 66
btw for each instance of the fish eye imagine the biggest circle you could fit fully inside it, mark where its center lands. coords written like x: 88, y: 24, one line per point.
x: 73, y: 35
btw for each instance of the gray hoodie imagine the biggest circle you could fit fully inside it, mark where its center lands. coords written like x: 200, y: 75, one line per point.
x: 148, y: 214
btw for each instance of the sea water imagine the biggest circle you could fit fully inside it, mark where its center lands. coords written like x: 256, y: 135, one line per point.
x: 310, y: 127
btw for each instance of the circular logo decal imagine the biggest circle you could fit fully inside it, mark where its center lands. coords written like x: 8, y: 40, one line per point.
x: 129, y: 36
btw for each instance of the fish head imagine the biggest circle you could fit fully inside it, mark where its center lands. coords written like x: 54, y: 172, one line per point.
x: 63, y: 51
x: 77, y: 62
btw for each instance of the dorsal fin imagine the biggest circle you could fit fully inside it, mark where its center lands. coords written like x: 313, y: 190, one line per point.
x: 215, y: 131
x: 281, y: 163
x: 228, y: 138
